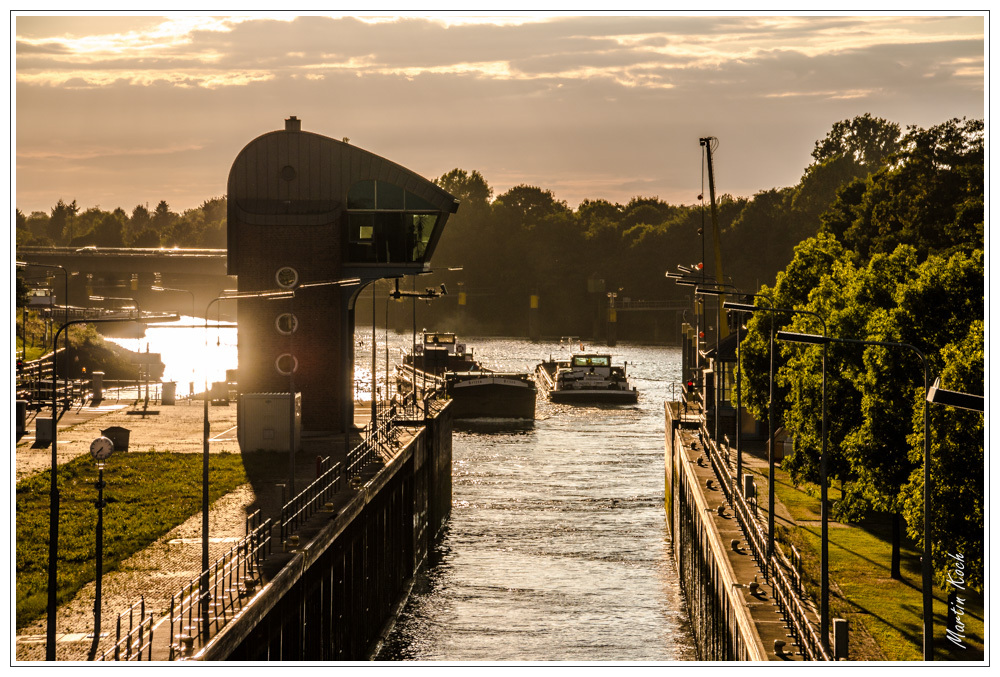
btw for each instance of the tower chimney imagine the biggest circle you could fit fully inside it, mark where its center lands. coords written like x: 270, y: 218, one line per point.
x: 293, y: 124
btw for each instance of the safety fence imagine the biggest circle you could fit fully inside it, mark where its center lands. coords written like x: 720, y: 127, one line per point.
x: 205, y: 604
x: 138, y: 638
x: 777, y: 569
x: 314, y: 497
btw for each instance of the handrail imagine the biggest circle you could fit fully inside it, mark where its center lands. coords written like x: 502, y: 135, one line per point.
x: 232, y: 580
x: 138, y: 638
x: 774, y: 569
x: 303, y: 505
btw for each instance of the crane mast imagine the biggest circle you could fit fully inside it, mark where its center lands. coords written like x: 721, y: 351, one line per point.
x: 706, y: 143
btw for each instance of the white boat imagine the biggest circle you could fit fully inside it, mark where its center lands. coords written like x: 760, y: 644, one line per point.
x: 586, y: 378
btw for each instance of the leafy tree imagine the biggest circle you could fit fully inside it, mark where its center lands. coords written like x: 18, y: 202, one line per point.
x: 468, y: 224
x: 60, y: 225
x: 942, y: 313
x: 84, y: 225
x: 524, y: 206
x: 471, y: 189
x: 957, y: 461
x: 867, y: 140
x: 162, y: 220
x: 930, y: 196
x: 110, y: 230
x: 814, y: 258
x: 598, y: 212
x: 37, y: 224
x: 21, y: 292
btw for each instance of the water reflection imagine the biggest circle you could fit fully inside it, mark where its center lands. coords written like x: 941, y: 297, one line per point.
x: 189, y: 352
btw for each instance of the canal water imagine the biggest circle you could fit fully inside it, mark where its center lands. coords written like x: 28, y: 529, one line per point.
x: 557, y: 548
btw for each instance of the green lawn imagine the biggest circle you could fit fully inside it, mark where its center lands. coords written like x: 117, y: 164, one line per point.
x: 890, y: 610
x: 153, y: 492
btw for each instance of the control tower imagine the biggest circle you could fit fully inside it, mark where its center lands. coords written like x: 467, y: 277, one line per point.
x: 305, y: 213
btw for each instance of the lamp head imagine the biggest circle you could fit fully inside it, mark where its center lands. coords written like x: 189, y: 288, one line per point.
x: 795, y: 337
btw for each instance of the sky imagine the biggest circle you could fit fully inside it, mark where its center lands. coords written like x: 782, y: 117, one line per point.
x: 115, y: 111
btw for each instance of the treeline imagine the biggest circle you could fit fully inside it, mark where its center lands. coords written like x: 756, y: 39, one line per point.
x: 899, y: 259
x: 67, y: 226
x: 525, y: 241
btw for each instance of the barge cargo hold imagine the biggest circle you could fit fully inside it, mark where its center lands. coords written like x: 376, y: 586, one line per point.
x: 585, y: 379
x: 440, y: 362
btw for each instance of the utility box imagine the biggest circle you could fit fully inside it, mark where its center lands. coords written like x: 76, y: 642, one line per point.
x: 97, y: 385
x: 44, y: 431
x: 265, y: 421
x: 168, y: 392
x: 22, y: 416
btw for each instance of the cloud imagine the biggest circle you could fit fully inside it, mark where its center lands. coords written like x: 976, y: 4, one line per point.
x: 589, y: 107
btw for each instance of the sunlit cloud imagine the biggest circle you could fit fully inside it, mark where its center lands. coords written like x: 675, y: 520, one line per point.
x: 587, y: 105
x: 208, y: 80
x: 105, y: 152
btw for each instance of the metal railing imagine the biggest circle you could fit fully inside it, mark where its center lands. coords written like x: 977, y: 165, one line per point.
x: 232, y: 579
x: 380, y: 435
x: 234, y: 576
x: 776, y: 568
x: 33, y: 382
x: 138, y: 638
x: 314, y: 497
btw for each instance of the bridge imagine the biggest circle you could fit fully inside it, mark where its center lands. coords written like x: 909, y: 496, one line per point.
x: 128, y: 260
x: 142, y: 274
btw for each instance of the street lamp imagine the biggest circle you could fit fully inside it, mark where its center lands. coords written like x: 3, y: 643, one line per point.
x: 183, y: 291
x: 928, y: 608
x: 50, y: 621
x: 273, y: 295
x: 750, y: 308
x: 824, y: 482
x: 953, y: 398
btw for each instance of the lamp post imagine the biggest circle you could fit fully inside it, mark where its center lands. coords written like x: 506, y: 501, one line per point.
x: 824, y: 606
x: 953, y: 398
x: 183, y: 291
x: 50, y: 625
x: 926, y: 568
x: 745, y: 307
x: 271, y: 294
x: 702, y: 291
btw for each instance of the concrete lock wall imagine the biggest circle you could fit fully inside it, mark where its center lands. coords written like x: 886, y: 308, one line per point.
x: 338, y: 596
x: 720, y: 620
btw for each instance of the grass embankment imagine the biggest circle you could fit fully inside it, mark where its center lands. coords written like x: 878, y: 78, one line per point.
x: 32, y: 335
x: 152, y: 493
x: 862, y: 591
x: 89, y: 352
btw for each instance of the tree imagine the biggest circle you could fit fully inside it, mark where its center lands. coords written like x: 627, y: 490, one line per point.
x: 84, y: 226
x: 930, y: 196
x: 471, y: 190
x: 110, y: 230
x: 60, y: 225
x: 942, y: 312
x: 867, y: 140
x: 162, y: 220
x: 957, y: 461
